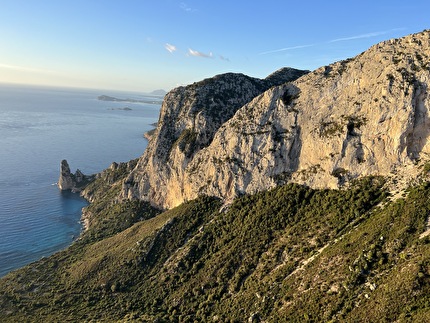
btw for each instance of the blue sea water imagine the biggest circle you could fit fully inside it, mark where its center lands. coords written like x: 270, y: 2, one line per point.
x: 40, y: 126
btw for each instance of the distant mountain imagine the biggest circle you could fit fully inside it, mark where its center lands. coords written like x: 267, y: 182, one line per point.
x: 158, y: 92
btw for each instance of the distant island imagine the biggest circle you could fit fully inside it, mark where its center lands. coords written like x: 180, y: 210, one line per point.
x: 113, y: 99
x: 159, y: 92
x: 122, y: 109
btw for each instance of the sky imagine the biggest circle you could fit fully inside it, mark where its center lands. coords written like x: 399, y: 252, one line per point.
x: 144, y: 45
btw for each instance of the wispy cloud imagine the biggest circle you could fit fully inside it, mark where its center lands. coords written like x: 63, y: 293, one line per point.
x: 360, y: 36
x: 285, y: 49
x: 195, y: 53
x: 367, y: 35
x: 170, y: 48
x: 192, y: 52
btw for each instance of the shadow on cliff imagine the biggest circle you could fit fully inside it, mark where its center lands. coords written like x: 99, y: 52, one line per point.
x: 416, y: 138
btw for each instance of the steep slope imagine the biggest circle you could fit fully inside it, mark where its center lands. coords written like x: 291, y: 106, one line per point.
x: 189, y: 118
x: 363, y: 116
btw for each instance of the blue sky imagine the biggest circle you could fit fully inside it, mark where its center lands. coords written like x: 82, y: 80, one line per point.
x: 151, y: 44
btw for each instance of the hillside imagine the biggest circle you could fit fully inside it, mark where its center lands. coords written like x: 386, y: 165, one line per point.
x: 288, y: 254
x: 302, y: 197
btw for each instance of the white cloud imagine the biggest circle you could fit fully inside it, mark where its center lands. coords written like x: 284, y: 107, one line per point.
x: 169, y: 47
x: 285, y: 49
x: 199, y: 54
x: 186, y: 8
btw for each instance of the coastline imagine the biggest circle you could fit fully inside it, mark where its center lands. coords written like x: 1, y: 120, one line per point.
x: 37, y: 219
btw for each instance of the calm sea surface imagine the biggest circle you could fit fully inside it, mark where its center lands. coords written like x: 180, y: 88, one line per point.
x: 39, y: 127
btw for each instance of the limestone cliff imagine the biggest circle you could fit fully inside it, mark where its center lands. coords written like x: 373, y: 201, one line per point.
x: 225, y: 136
x: 189, y: 118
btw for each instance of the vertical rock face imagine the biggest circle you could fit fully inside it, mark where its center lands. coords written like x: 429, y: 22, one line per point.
x: 258, y: 147
x: 224, y: 136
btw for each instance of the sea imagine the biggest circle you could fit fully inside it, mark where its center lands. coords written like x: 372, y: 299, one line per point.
x: 40, y: 126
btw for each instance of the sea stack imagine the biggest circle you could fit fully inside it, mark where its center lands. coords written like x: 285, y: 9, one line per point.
x: 68, y: 181
x: 65, y: 182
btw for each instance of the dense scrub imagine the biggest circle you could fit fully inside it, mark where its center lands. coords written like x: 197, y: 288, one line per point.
x: 288, y: 254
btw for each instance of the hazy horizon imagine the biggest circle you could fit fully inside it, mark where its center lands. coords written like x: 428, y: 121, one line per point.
x: 142, y: 46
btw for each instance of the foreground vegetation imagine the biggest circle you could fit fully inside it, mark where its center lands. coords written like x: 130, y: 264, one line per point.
x: 289, y: 254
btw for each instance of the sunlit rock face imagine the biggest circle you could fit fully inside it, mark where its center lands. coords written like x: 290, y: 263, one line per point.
x: 232, y: 134
x: 189, y: 118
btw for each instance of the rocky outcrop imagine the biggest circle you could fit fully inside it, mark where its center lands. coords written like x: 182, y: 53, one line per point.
x: 69, y: 181
x: 224, y: 137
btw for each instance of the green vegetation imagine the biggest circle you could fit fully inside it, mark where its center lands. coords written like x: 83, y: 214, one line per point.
x: 105, y: 215
x: 330, y: 129
x: 343, y: 65
x: 187, y: 142
x: 288, y: 97
x: 288, y: 254
x: 305, y: 174
x: 426, y: 168
x: 336, y: 128
x: 339, y: 172
x: 354, y: 122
